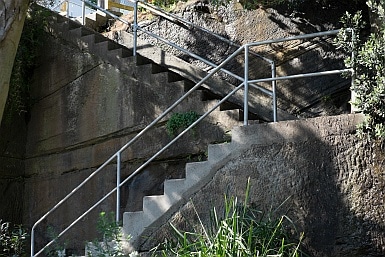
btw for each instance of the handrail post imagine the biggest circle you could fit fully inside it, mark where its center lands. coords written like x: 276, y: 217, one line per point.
x: 135, y: 26
x: 274, y: 85
x: 67, y: 8
x: 83, y: 13
x: 353, y: 76
x: 32, y: 241
x: 118, y: 171
x: 246, y: 88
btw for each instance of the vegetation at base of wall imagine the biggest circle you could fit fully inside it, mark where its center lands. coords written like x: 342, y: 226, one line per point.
x: 12, y: 239
x: 31, y: 39
x: 57, y: 248
x: 368, y: 64
x: 111, y: 237
x: 242, y: 232
x: 180, y: 121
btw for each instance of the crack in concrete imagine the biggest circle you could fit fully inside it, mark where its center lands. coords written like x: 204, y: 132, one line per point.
x: 76, y: 78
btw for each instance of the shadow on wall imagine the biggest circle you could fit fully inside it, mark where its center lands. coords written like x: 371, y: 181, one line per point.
x: 330, y: 179
x: 308, y: 97
x: 12, y: 179
x: 332, y: 187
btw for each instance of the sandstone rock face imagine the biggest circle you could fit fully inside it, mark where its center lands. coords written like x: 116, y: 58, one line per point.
x: 328, y: 182
x: 304, y: 97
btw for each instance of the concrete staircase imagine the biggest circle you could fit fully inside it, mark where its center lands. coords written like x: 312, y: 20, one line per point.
x: 95, y: 20
x: 158, y: 208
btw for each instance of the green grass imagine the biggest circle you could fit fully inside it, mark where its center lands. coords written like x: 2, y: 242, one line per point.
x: 242, y: 231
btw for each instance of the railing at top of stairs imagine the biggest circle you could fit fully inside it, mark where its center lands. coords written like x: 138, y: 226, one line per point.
x: 245, y: 83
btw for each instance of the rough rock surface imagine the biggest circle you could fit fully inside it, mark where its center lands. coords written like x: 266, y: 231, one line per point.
x: 304, y: 97
x: 330, y: 184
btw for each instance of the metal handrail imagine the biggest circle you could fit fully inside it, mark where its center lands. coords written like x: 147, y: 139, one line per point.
x: 172, y: 16
x: 197, y: 57
x: 245, y: 83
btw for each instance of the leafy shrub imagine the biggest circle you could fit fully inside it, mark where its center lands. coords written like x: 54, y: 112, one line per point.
x: 180, y: 121
x: 110, y: 243
x: 12, y: 239
x: 369, y: 71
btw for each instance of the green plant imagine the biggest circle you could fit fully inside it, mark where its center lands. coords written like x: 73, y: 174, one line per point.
x: 166, y: 4
x: 180, y: 121
x: 57, y: 247
x: 110, y: 243
x: 12, y: 239
x: 242, y: 232
x: 368, y: 65
x: 25, y: 61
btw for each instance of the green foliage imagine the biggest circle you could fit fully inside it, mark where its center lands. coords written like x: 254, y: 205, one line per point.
x: 25, y: 61
x: 369, y: 72
x: 242, y: 232
x: 12, y: 240
x: 166, y: 4
x: 180, y: 121
x: 110, y: 243
x: 266, y: 3
x: 57, y: 246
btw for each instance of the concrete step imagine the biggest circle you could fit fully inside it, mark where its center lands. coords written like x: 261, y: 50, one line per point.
x: 195, y: 171
x: 174, y: 187
x: 102, y: 48
x: 80, y: 32
x: 218, y: 151
x: 155, y: 205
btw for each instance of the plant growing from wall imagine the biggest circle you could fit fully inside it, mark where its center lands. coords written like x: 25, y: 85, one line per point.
x: 369, y: 69
x: 180, y: 121
x: 32, y: 37
x: 242, y: 232
x: 12, y: 240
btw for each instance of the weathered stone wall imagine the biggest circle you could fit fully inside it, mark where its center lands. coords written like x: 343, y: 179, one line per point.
x: 328, y: 180
x: 85, y: 109
x: 12, y: 153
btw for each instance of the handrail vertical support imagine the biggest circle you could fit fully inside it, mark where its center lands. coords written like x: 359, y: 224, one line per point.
x: 83, y: 13
x: 135, y: 27
x: 118, y: 176
x: 32, y: 241
x: 353, y: 77
x: 67, y: 9
x: 246, y: 88
x: 274, y: 86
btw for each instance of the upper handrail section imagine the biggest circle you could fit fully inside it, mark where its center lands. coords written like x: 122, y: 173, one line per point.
x: 136, y: 4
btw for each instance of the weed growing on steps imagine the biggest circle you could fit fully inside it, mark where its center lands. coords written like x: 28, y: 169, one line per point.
x: 180, y: 121
x: 110, y: 243
x: 242, y: 232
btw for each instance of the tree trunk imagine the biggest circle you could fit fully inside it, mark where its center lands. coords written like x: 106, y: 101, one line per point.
x: 12, y: 16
